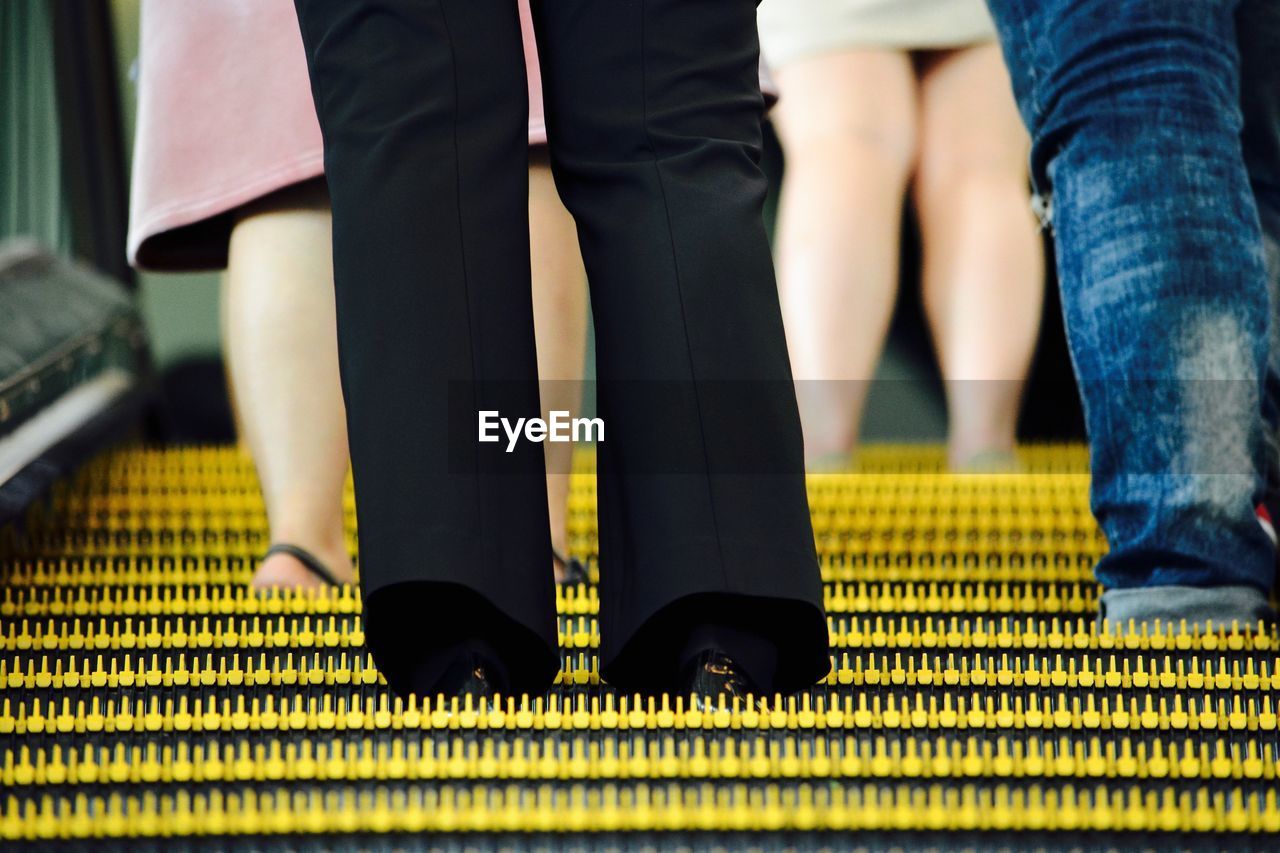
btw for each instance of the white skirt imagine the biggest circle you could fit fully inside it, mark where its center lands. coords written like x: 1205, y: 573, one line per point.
x: 794, y: 29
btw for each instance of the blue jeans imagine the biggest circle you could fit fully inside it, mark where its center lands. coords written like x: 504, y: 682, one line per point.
x: 1134, y: 111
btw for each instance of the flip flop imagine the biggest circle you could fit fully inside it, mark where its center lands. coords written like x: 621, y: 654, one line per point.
x: 575, y: 571
x: 308, y: 560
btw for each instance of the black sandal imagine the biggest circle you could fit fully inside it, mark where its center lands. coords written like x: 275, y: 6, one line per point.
x: 308, y: 560
x: 575, y: 571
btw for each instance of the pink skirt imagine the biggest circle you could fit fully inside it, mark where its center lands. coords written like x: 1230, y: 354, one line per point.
x: 225, y: 117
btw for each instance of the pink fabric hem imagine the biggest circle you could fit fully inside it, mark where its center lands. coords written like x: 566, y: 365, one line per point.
x: 225, y: 117
x: 190, y: 211
x: 161, y: 220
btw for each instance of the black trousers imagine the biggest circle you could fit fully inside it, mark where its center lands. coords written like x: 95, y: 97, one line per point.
x: 654, y: 117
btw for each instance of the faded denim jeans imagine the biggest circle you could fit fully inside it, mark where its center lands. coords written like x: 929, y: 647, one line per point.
x: 1134, y: 111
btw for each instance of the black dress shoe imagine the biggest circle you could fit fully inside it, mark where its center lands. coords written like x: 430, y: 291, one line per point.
x: 712, y: 674
x: 473, y: 675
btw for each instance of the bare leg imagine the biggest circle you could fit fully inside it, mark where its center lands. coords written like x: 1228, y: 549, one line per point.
x: 272, y: 266
x: 282, y: 350
x: 848, y: 126
x: 983, y: 261
x: 560, y: 324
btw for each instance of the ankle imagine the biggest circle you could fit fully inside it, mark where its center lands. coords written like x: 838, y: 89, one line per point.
x: 967, y: 448
x: 835, y: 462
x: 329, y: 547
x: 988, y: 460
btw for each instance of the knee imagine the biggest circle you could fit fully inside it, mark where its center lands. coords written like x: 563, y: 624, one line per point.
x: 830, y: 147
x: 972, y: 162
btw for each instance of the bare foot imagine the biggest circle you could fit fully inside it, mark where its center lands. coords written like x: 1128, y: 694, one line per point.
x: 829, y: 463
x: 285, y: 571
x: 990, y: 461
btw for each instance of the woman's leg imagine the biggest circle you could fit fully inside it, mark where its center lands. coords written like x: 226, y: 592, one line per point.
x: 848, y: 126
x: 283, y: 360
x: 560, y: 321
x: 285, y: 376
x: 983, y: 259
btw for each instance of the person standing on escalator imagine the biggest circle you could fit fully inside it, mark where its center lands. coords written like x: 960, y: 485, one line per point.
x: 709, y: 574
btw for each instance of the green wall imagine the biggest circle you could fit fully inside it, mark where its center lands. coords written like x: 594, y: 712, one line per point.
x: 30, y: 167
x: 181, y: 310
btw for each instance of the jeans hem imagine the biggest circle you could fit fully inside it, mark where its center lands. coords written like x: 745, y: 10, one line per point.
x: 1201, y: 608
